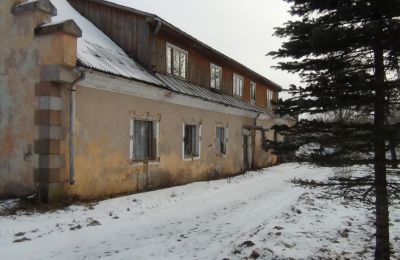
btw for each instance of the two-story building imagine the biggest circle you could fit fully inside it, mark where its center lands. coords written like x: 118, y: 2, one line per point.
x: 99, y: 99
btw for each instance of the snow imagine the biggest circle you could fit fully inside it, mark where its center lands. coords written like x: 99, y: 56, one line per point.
x: 89, y: 32
x: 97, y: 51
x: 260, y: 211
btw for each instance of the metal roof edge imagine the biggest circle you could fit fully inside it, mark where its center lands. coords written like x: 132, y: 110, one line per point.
x: 190, y: 37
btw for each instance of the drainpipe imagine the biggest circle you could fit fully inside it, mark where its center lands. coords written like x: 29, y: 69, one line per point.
x: 72, y: 111
x: 155, y: 33
x: 254, y: 141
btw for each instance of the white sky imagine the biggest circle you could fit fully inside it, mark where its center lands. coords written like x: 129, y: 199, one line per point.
x: 238, y: 28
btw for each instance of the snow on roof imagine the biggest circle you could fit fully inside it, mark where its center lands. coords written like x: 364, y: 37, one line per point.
x: 97, y: 51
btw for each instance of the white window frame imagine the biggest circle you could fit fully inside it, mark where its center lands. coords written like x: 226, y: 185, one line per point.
x: 198, y: 126
x: 156, y: 124
x: 215, y: 67
x: 238, y: 90
x: 169, y: 64
x: 270, y: 98
x: 226, y: 141
x: 253, y: 85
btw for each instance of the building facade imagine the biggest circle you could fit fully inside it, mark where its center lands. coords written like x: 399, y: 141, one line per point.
x: 99, y: 99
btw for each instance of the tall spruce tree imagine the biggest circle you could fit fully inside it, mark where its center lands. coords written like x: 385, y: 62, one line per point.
x: 347, y: 54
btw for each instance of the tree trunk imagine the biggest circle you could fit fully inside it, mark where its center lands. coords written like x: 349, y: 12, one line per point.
x: 382, y: 248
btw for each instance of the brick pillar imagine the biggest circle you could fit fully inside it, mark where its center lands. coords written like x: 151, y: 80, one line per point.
x: 49, y: 174
x: 58, y: 52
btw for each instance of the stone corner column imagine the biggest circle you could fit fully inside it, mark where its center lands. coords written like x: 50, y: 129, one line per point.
x: 58, y: 56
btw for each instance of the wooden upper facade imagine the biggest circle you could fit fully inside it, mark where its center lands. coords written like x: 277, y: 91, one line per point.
x: 148, y: 39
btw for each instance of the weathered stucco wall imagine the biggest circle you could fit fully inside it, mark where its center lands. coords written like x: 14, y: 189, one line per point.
x: 19, y: 72
x: 103, y: 140
x: 34, y: 143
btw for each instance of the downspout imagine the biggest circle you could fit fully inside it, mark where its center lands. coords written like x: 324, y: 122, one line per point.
x: 72, y: 112
x: 155, y: 33
x: 254, y: 141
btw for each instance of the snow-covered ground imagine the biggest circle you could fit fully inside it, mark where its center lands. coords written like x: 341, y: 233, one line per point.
x: 259, y: 214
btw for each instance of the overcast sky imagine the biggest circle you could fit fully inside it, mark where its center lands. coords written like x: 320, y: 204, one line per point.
x: 238, y: 28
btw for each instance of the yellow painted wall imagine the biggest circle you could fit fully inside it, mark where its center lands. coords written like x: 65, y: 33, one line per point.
x: 19, y: 72
x: 102, y: 145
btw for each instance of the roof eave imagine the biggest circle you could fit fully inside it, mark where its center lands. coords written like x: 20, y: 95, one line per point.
x: 151, y: 19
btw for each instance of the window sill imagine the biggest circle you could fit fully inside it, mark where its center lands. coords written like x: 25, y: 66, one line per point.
x: 216, y: 90
x: 190, y: 159
x: 177, y: 77
x: 141, y: 163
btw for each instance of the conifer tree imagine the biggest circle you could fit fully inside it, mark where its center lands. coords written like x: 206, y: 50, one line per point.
x: 347, y: 54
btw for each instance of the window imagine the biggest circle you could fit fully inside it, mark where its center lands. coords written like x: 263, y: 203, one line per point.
x: 237, y: 85
x: 269, y: 98
x: 253, y: 91
x: 216, y: 76
x: 176, y: 61
x: 144, y: 140
x: 221, y: 140
x: 191, y: 141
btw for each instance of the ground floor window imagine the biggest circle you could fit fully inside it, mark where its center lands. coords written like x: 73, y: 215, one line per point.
x: 191, y: 141
x: 144, y: 140
x: 221, y: 140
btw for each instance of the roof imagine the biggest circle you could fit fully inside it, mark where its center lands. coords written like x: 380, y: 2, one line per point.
x: 97, y: 51
x: 183, y: 87
x: 154, y: 18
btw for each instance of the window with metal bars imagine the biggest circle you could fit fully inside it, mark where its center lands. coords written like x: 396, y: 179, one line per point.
x: 191, y: 141
x: 144, y: 141
x: 221, y: 140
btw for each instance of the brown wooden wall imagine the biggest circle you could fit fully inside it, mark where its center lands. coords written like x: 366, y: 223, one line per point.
x: 132, y: 33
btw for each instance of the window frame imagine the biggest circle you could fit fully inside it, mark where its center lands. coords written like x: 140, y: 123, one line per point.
x: 198, y: 137
x: 226, y: 140
x: 156, y: 136
x: 216, y: 67
x: 270, y: 98
x: 234, y: 87
x: 169, y: 64
x: 253, y: 98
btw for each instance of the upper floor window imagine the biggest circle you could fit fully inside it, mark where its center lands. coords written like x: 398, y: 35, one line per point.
x: 177, y: 60
x: 238, y: 83
x: 253, y: 91
x: 270, y: 96
x: 216, y: 76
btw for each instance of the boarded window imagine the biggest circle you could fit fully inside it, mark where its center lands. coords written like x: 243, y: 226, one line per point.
x: 191, y: 141
x: 253, y: 91
x: 221, y: 140
x: 216, y: 75
x: 237, y: 85
x: 144, y: 140
x: 176, y: 60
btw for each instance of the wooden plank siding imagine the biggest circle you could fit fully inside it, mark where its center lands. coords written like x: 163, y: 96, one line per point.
x: 134, y: 34
x: 130, y: 31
